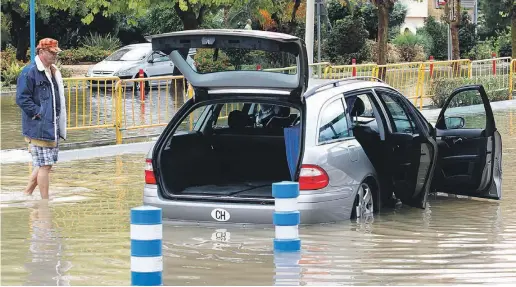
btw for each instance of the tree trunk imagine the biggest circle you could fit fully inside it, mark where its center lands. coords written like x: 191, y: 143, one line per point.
x: 20, y: 33
x: 190, y: 22
x: 383, y: 35
x: 454, y: 27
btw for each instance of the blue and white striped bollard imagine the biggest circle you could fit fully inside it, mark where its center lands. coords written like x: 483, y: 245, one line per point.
x: 286, y: 216
x: 146, y: 246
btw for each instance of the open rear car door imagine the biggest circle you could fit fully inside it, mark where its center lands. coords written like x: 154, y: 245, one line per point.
x: 291, y: 49
x: 470, y: 147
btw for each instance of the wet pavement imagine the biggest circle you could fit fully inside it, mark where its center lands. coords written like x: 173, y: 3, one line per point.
x: 81, y: 237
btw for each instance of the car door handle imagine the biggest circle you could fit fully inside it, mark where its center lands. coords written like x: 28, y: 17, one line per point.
x: 457, y: 141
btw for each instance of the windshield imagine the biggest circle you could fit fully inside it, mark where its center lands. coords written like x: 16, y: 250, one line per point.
x: 129, y: 54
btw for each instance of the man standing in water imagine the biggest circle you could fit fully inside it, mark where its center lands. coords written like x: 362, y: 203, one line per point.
x: 40, y: 95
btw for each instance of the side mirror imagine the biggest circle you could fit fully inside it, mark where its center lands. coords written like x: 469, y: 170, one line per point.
x: 150, y: 60
x: 455, y: 123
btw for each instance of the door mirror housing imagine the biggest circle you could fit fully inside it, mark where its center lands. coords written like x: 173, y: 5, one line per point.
x: 453, y: 123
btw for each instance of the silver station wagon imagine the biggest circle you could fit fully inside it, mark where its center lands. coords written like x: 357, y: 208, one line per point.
x: 354, y: 145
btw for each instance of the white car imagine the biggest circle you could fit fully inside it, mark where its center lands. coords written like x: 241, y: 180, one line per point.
x: 127, y: 61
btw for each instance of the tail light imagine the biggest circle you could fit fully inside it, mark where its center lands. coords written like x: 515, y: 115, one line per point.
x: 149, y: 172
x: 312, y: 177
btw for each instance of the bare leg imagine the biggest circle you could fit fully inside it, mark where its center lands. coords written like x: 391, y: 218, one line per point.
x: 33, y: 181
x: 43, y: 180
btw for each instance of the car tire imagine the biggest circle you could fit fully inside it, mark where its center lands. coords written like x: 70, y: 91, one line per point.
x: 136, y: 85
x: 366, y: 201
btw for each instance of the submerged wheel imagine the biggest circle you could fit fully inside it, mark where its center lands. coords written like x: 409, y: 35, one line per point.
x: 137, y: 85
x: 365, y: 203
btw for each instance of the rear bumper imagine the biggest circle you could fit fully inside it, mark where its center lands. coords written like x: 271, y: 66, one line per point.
x: 314, y: 208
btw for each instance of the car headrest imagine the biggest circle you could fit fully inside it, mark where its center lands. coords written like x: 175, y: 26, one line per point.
x: 358, y: 108
x: 237, y: 119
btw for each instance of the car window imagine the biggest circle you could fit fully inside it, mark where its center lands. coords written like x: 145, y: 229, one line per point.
x: 129, y: 54
x: 458, y: 116
x: 227, y: 108
x: 333, y: 123
x: 400, y: 121
x: 160, y: 57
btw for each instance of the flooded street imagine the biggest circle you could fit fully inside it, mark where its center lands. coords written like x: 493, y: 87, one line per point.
x: 81, y: 237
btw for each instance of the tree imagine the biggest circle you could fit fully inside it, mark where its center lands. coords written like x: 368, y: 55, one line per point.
x: 356, y: 35
x: 492, y: 22
x: 510, y: 6
x: 452, y: 17
x: 467, y: 36
x: 438, y: 32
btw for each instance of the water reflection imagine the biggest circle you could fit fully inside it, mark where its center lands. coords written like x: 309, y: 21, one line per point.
x: 456, y: 240
x: 45, y: 265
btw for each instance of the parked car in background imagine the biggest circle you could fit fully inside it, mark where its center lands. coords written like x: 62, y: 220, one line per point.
x: 127, y: 61
x: 352, y: 144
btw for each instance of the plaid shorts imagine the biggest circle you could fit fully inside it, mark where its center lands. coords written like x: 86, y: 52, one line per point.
x: 42, y: 156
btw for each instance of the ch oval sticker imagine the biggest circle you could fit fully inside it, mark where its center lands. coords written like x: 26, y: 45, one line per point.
x: 220, y: 214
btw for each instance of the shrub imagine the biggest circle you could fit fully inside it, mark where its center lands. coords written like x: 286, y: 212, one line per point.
x: 83, y: 54
x: 504, y: 45
x: 371, y: 48
x: 11, y: 72
x: 483, y: 50
x: 411, y: 46
x: 438, y: 34
x: 347, y: 40
x: 206, y: 64
x: 442, y: 88
x: 102, y: 42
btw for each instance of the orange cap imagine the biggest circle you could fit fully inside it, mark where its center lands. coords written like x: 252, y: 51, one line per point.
x: 49, y: 44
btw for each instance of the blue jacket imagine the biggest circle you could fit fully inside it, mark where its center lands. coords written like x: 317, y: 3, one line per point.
x: 34, y: 95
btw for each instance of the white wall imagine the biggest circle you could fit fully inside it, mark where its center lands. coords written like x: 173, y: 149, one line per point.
x: 412, y: 24
x: 416, y: 8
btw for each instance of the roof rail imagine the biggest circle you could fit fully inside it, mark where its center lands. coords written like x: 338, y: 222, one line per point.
x: 336, y: 83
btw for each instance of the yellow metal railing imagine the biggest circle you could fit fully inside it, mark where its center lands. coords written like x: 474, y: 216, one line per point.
x: 110, y: 102
x: 89, y: 102
x: 346, y: 71
x: 147, y: 107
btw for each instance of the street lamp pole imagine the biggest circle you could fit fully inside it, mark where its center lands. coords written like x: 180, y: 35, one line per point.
x: 309, y: 31
x: 32, y: 30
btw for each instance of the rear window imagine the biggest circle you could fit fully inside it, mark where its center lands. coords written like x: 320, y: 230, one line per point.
x: 241, y: 117
x: 214, y: 60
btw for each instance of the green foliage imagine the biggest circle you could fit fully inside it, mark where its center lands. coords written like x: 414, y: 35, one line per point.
x: 369, y: 13
x: 442, y: 88
x: 347, y: 40
x: 437, y: 34
x: 467, y: 36
x: 337, y: 11
x: 83, y: 55
x: 160, y: 19
x: 483, y: 50
x: 103, y: 42
x: 11, y: 72
x: 205, y: 63
x: 504, y: 45
x: 500, y: 45
x: 492, y: 20
x: 412, y: 47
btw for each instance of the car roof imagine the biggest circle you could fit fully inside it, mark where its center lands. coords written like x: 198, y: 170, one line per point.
x: 317, y: 88
x: 138, y: 45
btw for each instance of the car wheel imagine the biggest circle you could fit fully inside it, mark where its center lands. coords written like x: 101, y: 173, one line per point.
x: 365, y: 203
x: 137, y: 84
